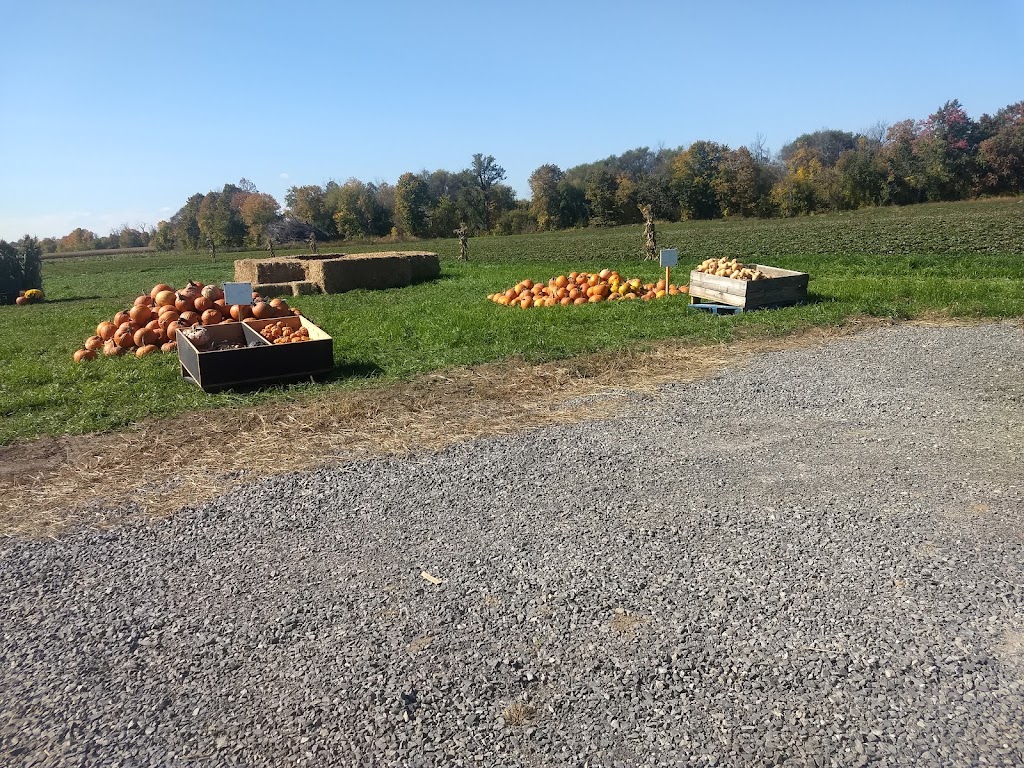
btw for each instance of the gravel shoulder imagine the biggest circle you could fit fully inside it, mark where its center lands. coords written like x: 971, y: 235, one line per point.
x: 812, y: 558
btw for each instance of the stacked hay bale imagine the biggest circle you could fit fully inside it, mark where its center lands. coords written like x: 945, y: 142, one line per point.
x: 337, y: 273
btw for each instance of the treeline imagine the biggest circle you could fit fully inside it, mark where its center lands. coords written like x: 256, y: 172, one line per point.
x: 81, y: 239
x: 948, y: 156
x: 427, y: 204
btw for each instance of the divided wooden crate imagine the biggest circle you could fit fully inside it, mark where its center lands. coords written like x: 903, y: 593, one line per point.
x: 784, y: 287
x: 261, y: 363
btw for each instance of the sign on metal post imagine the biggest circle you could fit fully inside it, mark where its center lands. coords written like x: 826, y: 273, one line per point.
x: 238, y: 293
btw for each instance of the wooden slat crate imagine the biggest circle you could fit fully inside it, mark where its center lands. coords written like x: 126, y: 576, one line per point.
x: 784, y: 287
x: 263, y: 363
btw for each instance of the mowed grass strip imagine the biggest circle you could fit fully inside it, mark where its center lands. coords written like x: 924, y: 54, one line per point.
x: 396, y: 334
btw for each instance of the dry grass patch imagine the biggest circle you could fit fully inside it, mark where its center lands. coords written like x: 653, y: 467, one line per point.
x: 625, y: 623
x: 518, y: 713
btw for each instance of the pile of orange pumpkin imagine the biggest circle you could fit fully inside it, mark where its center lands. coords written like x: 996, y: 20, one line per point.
x: 282, y: 333
x: 584, y: 288
x: 149, y: 325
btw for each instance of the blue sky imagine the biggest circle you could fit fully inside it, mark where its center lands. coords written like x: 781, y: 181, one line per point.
x: 114, y: 112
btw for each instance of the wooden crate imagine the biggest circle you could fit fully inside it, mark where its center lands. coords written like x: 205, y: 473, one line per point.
x: 301, y: 358
x: 784, y: 287
x: 262, y: 363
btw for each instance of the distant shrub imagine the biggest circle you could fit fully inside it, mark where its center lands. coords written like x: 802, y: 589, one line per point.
x: 516, y: 222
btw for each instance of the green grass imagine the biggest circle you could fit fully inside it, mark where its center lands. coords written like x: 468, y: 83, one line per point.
x: 858, y: 264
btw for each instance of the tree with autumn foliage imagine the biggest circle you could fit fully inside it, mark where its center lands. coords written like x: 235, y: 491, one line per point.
x: 695, y: 175
x: 1001, y: 152
x: 946, y: 146
x: 862, y: 174
x: 358, y: 209
x: 258, y: 209
x: 78, y: 239
x: 743, y: 184
x: 308, y: 204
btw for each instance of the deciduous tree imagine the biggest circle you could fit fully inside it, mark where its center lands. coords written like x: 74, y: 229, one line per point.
x: 185, y: 224
x: 902, y: 176
x: 694, y: 176
x: 258, y: 210
x: 1001, y: 152
x: 742, y: 184
x: 600, y: 193
x: 412, y: 204
x: 78, y: 239
x: 444, y: 218
x: 307, y: 204
x: 544, y: 195
x: 827, y: 145
x: 572, y: 205
x: 487, y: 173
x: 946, y: 146
x: 862, y: 174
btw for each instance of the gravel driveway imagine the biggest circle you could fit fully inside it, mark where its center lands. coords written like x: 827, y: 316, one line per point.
x: 813, y: 559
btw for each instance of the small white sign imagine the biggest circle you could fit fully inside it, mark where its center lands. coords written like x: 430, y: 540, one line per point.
x: 669, y: 257
x: 238, y: 293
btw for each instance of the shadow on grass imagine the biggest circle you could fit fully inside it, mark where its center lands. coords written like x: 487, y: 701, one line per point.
x: 342, y: 372
x: 351, y: 370
x: 74, y: 298
x: 812, y: 298
x: 443, y: 277
x: 819, y: 298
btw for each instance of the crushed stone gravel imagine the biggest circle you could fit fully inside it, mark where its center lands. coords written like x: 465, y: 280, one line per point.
x: 814, y: 559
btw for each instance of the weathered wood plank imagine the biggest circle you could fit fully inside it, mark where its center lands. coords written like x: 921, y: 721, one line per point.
x: 722, y: 298
x: 717, y: 283
x: 784, y: 286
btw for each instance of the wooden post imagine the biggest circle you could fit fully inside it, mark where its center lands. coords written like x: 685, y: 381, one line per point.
x: 667, y: 278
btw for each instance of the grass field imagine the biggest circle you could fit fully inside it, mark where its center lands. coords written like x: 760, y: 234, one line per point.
x: 962, y: 259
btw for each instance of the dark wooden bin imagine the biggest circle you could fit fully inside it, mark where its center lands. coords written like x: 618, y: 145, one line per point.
x: 301, y: 358
x: 263, y: 363
x: 784, y: 287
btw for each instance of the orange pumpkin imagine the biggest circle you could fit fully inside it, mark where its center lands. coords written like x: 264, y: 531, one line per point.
x: 124, y: 337
x: 105, y: 330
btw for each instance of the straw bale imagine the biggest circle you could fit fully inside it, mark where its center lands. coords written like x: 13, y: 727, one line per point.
x: 336, y: 273
x: 424, y: 266
x: 315, y: 274
x: 318, y: 256
x: 245, y: 270
x: 304, y: 288
x: 263, y: 271
x: 274, y: 289
x: 377, y: 271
